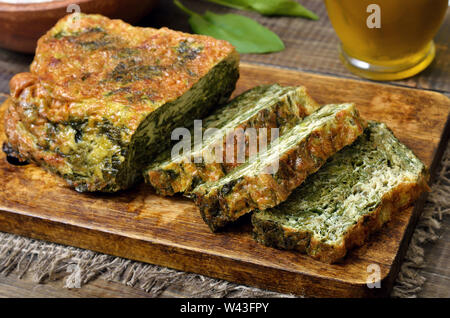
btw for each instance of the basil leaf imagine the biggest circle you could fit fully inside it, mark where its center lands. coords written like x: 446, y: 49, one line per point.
x: 247, y: 35
x: 270, y: 7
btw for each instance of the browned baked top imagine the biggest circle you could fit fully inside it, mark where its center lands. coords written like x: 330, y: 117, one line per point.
x: 101, y: 93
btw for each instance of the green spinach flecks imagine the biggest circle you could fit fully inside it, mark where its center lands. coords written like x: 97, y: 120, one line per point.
x: 130, y: 71
x: 112, y: 132
x: 188, y: 50
x: 78, y: 126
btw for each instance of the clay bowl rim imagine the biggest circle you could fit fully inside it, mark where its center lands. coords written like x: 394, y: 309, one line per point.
x: 39, y: 6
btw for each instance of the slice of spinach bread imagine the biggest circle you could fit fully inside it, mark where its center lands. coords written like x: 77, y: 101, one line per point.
x: 349, y: 198
x: 102, y: 97
x: 268, y: 180
x: 267, y: 106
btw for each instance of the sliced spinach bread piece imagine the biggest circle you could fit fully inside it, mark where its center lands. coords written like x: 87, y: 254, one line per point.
x: 102, y: 97
x: 266, y: 106
x: 268, y: 180
x: 349, y: 198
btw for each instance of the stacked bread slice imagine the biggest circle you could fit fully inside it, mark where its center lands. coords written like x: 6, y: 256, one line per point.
x: 349, y: 198
x: 263, y: 107
x: 268, y: 179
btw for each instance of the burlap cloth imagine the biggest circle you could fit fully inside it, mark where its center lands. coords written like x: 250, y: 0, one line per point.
x: 45, y: 261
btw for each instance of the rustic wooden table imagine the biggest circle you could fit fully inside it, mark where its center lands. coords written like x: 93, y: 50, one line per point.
x: 310, y: 46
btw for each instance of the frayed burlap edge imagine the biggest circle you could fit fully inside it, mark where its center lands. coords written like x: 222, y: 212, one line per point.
x: 48, y: 261
x: 410, y: 281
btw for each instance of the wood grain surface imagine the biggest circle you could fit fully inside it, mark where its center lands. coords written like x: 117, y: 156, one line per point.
x: 140, y: 225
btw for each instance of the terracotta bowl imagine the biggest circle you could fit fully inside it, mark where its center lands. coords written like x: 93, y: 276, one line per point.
x: 21, y: 25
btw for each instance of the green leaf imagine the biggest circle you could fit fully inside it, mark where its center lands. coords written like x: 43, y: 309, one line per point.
x: 270, y: 7
x: 247, y: 35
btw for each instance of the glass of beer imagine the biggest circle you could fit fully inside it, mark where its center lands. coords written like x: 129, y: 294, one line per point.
x: 386, y: 39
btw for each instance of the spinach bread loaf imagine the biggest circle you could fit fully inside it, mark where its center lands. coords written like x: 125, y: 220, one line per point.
x: 102, y: 97
x: 349, y: 198
x: 268, y: 180
x: 266, y: 106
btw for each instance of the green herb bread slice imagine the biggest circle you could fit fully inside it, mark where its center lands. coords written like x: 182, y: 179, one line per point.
x: 102, y: 97
x: 349, y: 198
x: 268, y: 180
x: 267, y: 106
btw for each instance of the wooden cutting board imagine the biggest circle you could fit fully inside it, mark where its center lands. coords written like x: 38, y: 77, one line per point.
x: 140, y: 225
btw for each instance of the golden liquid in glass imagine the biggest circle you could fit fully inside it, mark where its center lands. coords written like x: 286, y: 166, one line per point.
x: 400, y: 48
